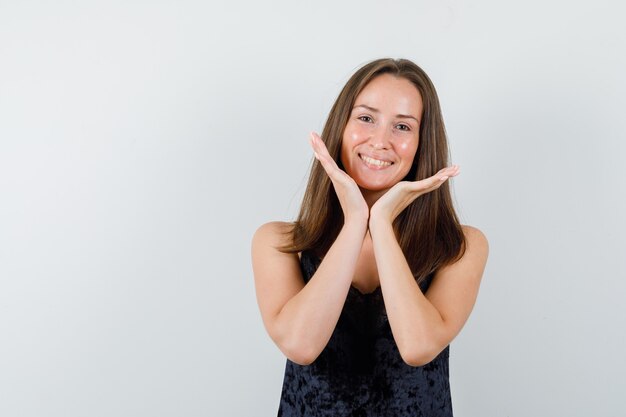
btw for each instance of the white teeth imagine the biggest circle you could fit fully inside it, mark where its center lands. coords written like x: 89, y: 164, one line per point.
x: 375, y: 161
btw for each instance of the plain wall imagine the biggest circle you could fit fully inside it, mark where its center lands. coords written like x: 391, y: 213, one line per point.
x: 142, y: 144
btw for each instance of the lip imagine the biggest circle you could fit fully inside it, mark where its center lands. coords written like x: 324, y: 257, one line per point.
x: 374, y: 167
x: 374, y: 156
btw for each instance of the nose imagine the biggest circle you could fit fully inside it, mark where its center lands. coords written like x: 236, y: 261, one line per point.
x: 380, y: 138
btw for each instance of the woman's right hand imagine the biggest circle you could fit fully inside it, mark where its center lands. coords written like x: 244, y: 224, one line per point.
x: 350, y: 197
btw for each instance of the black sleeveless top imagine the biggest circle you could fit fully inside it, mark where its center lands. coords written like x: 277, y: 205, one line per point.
x: 360, y: 372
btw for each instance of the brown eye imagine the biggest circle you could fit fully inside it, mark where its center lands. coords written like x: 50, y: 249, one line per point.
x: 364, y: 117
x: 405, y: 127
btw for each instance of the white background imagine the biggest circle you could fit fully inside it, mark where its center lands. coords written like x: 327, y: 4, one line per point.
x: 142, y: 143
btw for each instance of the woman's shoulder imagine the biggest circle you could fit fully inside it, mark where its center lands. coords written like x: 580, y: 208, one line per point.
x: 474, y: 236
x: 273, y: 233
x: 274, y: 228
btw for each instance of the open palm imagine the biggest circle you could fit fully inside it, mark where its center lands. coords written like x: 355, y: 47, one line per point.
x: 398, y: 197
x: 350, y: 197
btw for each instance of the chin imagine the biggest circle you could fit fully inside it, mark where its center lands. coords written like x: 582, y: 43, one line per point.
x: 369, y: 186
x: 377, y: 180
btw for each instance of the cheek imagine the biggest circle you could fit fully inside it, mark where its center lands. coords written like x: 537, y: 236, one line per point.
x: 355, y: 134
x: 406, y: 149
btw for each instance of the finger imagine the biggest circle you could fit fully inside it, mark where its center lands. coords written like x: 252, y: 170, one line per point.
x: 314, y: 146
x: 426, y: 185
x: 445, y: 173
x: 331, y: 168
x: 452, y: 172
x: 319, y: 145
x: 447, y: 170
x: 323, y: 155
x: 319, y: 149
x: 431, y: 183
x: 313, y: 142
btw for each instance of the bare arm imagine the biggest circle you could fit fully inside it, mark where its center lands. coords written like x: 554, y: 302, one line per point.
x: 301, y: 318
x: 424, y: 324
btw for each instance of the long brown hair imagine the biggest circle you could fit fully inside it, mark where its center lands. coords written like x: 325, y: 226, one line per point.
x: 428, y: 230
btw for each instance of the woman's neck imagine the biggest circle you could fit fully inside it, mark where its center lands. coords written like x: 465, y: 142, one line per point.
x: 371, y: 196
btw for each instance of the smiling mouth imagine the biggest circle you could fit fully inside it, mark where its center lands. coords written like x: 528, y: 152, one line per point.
x: 375, y: 162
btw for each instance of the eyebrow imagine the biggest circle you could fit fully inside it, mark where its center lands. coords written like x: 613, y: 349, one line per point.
x: 405, y: 116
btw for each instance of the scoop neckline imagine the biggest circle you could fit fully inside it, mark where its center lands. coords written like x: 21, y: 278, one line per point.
x: 377, y: 289
x: 352, y: 287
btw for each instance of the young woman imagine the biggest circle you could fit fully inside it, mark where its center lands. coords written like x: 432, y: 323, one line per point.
x: 364, y: 292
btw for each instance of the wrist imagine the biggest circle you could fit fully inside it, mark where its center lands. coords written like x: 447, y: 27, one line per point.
x: 358, y: 223
x: 357, y: 218
x: 378, y: 219
x: 380, y: 227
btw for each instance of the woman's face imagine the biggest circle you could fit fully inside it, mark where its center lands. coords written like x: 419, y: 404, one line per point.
x: 382, y: 134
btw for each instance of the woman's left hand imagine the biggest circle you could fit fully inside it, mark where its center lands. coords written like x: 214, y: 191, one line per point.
x: 398, y: 197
